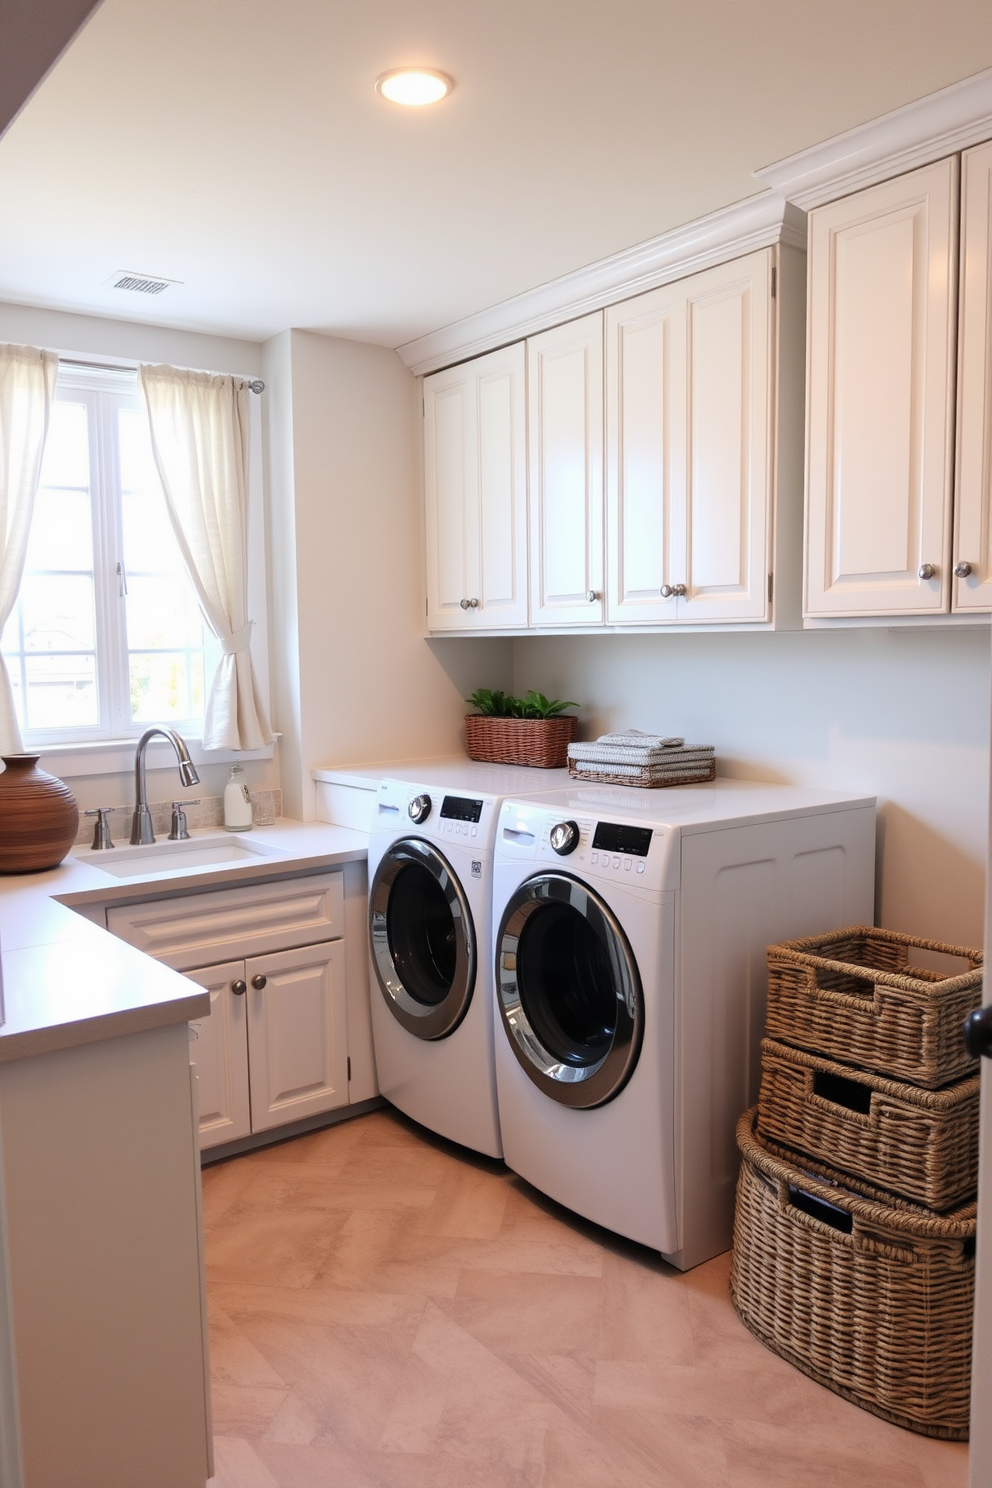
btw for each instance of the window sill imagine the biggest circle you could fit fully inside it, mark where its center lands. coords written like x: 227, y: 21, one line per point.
x: 116, y: 756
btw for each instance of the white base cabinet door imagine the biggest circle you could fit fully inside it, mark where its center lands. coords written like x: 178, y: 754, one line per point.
x: 972, y: 550
x: 219, y: 1053
x: 297, y: 1034
x: 882, y: 283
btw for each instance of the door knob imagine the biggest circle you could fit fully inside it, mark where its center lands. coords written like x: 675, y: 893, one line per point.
x: 258, y: 981
x: 978, y: 1033
x: 593, y: 595
x: 927, y: 571
x: 239, y: 989
x: 673, y: 591
x: 962, y: 570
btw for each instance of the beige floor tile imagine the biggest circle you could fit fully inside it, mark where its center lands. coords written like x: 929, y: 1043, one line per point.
x: 518, y: 1313
x: 282, y: 1248
x: 245, y: 1410
x: 295, y: 1466
x: 682, y: 1390
x: 469, y: 1205
x: 238, y: 1465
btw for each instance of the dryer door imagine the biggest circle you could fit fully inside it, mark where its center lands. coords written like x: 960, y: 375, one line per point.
x: 569, y: 990
x: 422, y: 939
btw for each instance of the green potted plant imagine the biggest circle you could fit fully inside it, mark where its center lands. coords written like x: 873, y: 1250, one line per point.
x: 529, y: 730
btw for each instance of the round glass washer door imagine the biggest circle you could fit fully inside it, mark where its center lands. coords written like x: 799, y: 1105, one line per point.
x: 568, y: 990
x: 422, y: 939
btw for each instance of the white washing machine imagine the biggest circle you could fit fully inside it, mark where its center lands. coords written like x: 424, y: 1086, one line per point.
x: 430, y: 940
x: 630, y: 931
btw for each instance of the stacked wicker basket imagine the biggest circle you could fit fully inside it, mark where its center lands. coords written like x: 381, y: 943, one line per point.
x: 854, y: 1239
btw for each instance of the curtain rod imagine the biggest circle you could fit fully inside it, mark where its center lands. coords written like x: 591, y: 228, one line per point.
x: 254, y: 385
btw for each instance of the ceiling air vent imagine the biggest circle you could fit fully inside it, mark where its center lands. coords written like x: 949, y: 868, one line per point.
x: 139, y: 283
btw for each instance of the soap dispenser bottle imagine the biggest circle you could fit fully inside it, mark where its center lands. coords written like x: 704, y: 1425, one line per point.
x: 237, y: 802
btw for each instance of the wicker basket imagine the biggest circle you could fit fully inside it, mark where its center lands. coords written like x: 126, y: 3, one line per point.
x: 542, y: 742
x: 854, y: 996
x: 918, y: 1143
x: 643, y: 778
x: 874, y: 1301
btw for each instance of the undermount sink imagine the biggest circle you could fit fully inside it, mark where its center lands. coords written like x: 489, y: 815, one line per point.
x: 175, y: 857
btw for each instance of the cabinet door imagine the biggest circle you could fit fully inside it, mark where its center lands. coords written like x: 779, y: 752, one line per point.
x: 729, y: 400
x: 219, y: 1052
x: 297, y: 1034
x: 476, y: 493
x: 565, y: 432
x: 882, y: 274
x: 973, y: 498
x: 645, y: 456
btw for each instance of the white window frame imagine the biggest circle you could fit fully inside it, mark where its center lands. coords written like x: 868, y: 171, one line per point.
x: 108, y: 747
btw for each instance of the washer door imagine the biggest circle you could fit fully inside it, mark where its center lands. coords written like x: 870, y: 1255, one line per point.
x: 569, y: 990
x: 422, y: 939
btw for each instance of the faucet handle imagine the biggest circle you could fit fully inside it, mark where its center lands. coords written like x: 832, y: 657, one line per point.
x: 178, y: 832
x: 101, y: 828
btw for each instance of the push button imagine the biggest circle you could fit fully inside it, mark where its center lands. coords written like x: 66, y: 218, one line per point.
x: 616, y: 862
x: 640, y: 867
x: 626, y: 865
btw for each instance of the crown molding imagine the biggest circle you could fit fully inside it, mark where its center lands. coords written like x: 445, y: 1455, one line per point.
x: 756, y: 222
x: 913, y: 135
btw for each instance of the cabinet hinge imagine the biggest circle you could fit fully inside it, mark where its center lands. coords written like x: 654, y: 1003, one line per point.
x: 771, y: 579
x: 349, y: 1069
x: 774, y: 282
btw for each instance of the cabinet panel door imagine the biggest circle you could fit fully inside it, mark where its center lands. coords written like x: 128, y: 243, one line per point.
x: 645, y: 456
x: 973, y: 500
x: 565, y: 432
x: 452, y: 496
x: 297, y: 1033
x: 219, y: 1052
x: 729, y: 398
x: 501, y: 422
x: 882, y: 276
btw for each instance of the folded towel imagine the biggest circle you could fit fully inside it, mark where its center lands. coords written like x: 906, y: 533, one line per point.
x: 623, y: 756
x: 637, y: 738
x: 641, y: 772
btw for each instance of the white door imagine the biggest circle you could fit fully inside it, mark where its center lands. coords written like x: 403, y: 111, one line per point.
x: 297, y: 1033
x: 729, y: 402
x: 882, y: 277
x: 475, y: 482
x: 565, y: 432
x: 972, y: 550
x: 219, y: 1053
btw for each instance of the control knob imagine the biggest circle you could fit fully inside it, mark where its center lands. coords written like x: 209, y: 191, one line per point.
x: 564, y: 837
x: 419, y: 809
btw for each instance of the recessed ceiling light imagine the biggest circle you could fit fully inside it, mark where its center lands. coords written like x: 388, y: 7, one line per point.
x: 414, y: 86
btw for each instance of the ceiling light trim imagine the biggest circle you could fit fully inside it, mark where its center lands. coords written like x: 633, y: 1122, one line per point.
x: 395, y: 73
x: 757, y: 222
x: 916, y: 134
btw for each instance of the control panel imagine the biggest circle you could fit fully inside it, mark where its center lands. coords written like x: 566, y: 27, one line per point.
x: 639, y: 855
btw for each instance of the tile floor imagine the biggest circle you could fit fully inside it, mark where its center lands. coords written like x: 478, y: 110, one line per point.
x: 388, y: 1311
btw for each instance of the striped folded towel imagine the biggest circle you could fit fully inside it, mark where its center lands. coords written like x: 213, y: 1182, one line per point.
x: 673, y: 772
x: 613, y: 754
x: 638, y: 739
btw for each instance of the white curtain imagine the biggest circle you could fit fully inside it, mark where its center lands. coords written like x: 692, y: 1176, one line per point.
x: 199, y: 428
x: 27, y: 386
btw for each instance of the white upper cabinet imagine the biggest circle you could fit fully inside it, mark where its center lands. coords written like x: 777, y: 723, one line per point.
x: 565, y: 437
x: 690, y: 403
x: 972, y: 548
x: 476, y: 494
x: 880, y: 430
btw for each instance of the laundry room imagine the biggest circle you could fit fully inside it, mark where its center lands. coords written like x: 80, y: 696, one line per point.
x: 648, y: 422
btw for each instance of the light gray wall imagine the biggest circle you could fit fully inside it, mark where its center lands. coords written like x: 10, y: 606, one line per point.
x: 898, y: 713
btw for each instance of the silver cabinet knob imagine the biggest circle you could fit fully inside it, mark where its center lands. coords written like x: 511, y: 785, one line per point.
x: 239, y: 989
x: 258, y: 981
x: 463, y: 603
x: 593, y: 595
x: 469, y: 604
x: 927, y: 571
x: 962, y: 570
x: 673, y: 591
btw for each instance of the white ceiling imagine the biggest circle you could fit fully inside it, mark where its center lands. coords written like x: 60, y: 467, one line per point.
x: 237, y: 145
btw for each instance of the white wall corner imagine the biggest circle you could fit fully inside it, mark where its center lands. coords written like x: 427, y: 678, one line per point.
x: 916, y: 134
x: 756, y: 222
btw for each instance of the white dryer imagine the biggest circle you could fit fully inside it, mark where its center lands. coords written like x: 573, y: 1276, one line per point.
x: 630, y: 931
x: 430, y: 940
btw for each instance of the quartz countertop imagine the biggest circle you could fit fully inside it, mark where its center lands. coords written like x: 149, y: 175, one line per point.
x: 67, y: 981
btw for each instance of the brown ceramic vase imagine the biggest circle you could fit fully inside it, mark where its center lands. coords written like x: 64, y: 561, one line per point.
x: 38, y: 816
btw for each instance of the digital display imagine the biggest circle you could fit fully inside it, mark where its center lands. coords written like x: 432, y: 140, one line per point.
x: 460, y: 808
x: 614, y: 838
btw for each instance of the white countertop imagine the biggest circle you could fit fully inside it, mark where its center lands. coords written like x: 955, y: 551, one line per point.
x: 66, y: 981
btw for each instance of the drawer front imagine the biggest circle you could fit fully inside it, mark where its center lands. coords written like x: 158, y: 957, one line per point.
x: 200, y: 929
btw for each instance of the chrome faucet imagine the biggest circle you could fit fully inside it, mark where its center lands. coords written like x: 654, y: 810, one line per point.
x: 141, y: 821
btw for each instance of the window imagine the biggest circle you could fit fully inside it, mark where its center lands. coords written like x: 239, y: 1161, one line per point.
x: 107, y: 635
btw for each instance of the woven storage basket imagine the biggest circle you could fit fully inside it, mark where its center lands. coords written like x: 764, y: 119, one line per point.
x: 643, y: 777
x: 855, y: 996
x: 921, y: 1144
x: 542, y: 742
x: 871, y: 1300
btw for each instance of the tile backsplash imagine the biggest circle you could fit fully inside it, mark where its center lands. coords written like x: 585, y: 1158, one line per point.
x: 208, y: 812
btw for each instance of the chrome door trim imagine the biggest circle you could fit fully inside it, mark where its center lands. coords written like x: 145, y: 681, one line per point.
x: 425, y: 1021
x: 581, y: 1086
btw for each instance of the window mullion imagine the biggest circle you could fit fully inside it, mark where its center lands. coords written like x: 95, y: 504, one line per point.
x: 112, y: 647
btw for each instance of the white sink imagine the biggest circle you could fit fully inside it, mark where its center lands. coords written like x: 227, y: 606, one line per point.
x: 176, y: 857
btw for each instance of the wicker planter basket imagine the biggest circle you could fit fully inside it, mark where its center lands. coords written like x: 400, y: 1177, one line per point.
x: 541, y: 742
x: 855, y: 996
x: 920, y: 1144
x: 874, y: 1301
